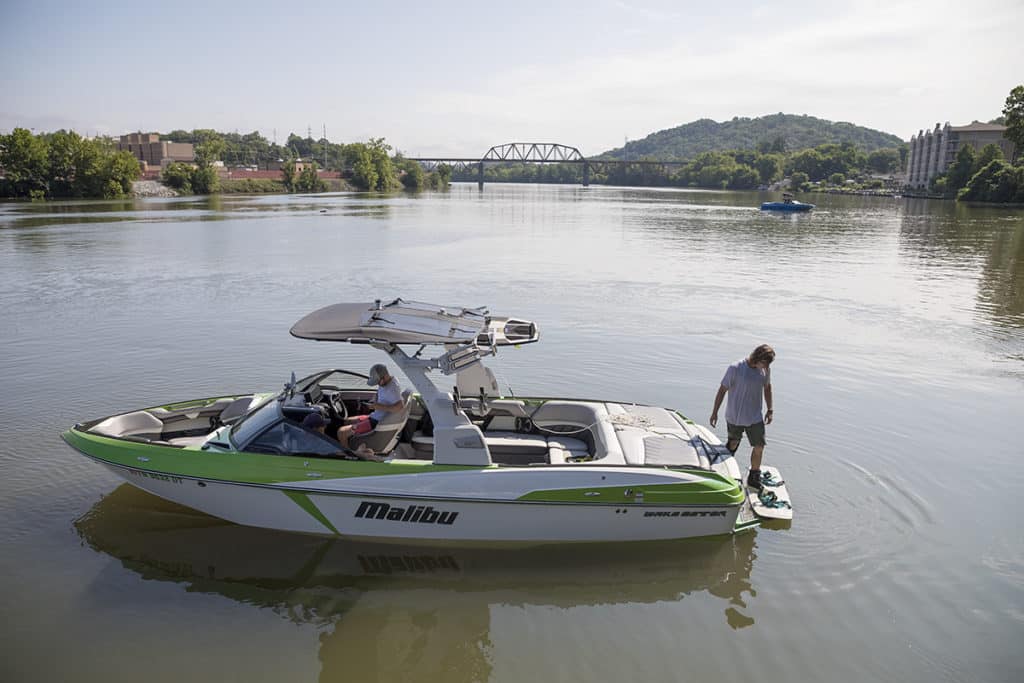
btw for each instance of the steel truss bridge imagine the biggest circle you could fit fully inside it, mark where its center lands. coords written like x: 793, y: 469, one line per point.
x: 536, y: 153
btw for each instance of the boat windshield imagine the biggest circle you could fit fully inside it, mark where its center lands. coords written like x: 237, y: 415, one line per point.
x: 332, y: 379
x: 255, y: 422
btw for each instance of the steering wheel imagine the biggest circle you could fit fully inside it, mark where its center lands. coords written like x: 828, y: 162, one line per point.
x: 337, y: 406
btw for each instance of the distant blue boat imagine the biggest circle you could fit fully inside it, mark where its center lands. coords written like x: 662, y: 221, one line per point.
x: 787, y: 205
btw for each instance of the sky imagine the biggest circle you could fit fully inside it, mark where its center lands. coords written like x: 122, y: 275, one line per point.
x: 456, y: 78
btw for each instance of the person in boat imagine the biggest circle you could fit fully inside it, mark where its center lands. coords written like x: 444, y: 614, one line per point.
x: 317, y: 423
x: 787, y: 198
x: 389, y: 400
x: 746, y: 381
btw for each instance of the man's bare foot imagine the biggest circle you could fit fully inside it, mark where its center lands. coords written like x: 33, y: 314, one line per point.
x: 366, y: 453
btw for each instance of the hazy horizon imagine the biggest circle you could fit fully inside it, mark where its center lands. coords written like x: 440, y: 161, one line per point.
x: 459, y: 79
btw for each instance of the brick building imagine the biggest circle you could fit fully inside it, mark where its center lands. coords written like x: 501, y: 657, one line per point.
x: 150, y: 151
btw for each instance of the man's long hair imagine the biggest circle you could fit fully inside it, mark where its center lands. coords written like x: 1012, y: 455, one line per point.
x: 762, y: 353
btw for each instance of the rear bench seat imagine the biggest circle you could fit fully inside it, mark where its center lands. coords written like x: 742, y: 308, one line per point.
x: 514, y: 448
x: 624, y: 434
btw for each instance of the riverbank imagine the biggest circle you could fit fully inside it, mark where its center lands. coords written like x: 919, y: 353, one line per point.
x: 151, y: 188
x: 154, y: 188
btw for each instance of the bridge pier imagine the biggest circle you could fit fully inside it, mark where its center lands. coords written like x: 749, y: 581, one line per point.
x: 480, y: 176
x: 586, y: 173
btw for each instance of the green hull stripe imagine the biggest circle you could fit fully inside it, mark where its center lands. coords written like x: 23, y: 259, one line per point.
x: 303, y: 501
x: 250, y: 468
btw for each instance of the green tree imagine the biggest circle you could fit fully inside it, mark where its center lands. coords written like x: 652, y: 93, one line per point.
x: 205, y: 180
x: 288, y: 175
x: 64, y: 164
x: 25, y: 160
x: 364, y: 172
x: 89, y: 180
x: 209, y: 146
x: 769, y: 167
x: 64, y: 147
x: 798, y: 180
x: 884, y: 160
x: 904, y: 151
x: 178, y: 136
x: 387, y: 179
x: 962, y: 169
x: 178, y: 176
x: 309, y: 180
x: 987, y: 155
x: 413, y: 177
x: 836, y: 179
x: 778, y: 145
x: 998, y: 181
x: 809, y: 162
x: 744, y: 178
x: 1013, y: 112
x: 120, y: 169
x: 444, y: 176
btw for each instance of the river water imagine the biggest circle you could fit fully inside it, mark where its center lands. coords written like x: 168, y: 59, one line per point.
x: 899, y: 398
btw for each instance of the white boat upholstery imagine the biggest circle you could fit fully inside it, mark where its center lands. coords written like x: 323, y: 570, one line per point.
x: 139, y: 423
x: 621, y: 434
x: 513, y: 442
x: 385, y: 435
x: 198, y: 418
x: 569, y: 416
x: 189, y: 440
x: 669, y: 450
x: 514, y: 448
x: 501, y: 413
x: 236, y: 409
x: 649, y: 435
x: 564, y: 449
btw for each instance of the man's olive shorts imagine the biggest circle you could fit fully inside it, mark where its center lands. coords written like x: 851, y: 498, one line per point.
x: 755, y: 433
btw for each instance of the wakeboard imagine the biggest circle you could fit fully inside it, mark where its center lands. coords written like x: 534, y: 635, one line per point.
x: 773, y: 501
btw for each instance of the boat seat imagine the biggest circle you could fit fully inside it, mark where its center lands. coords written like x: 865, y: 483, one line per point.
x: 593, y: 417
x: 385, y: 435
x: 506, y: 446
x: 140, y: 423
x: 505, y: 443
x: 565, y: 449
x: 187, y: 441
x: 236, y: 409
x: 669, y: 450
x: 502, y: 414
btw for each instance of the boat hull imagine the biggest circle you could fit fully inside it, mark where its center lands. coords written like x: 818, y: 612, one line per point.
x: 786, y: 206
x: 404, y: 518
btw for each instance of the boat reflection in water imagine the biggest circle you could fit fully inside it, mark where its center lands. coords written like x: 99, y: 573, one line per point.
x: 389, y: 607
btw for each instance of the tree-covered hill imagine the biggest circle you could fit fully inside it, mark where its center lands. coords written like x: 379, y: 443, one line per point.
x: 773, y: 133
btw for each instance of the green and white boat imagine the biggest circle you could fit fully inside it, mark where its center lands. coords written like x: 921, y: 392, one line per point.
x: 461, y: 466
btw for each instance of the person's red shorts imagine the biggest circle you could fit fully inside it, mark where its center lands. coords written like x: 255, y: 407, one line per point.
x: 364, y: 425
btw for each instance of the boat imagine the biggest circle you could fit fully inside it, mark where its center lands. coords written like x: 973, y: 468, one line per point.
x: 787, y: 204
x: 464, y: 464
x: 369, y: 601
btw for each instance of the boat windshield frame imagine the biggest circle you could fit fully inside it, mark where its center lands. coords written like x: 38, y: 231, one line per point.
x: 255, y: 423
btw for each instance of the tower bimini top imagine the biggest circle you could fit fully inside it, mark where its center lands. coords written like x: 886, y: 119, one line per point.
x: 465, y: 335
x: 412, y: 322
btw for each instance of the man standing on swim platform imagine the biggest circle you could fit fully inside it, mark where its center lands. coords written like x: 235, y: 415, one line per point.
x: 745, y: 381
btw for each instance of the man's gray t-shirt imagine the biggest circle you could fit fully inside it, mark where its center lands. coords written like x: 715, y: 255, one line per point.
x: 388, y: 394
x: 746, y: 387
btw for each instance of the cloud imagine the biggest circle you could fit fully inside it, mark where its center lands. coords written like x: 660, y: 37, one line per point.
x: 866, y: 65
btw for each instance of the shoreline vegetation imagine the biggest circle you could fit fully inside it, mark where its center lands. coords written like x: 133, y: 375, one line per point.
x: 65, y: 165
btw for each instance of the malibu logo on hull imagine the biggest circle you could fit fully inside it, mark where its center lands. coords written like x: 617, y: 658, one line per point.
x: 413, y: 513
